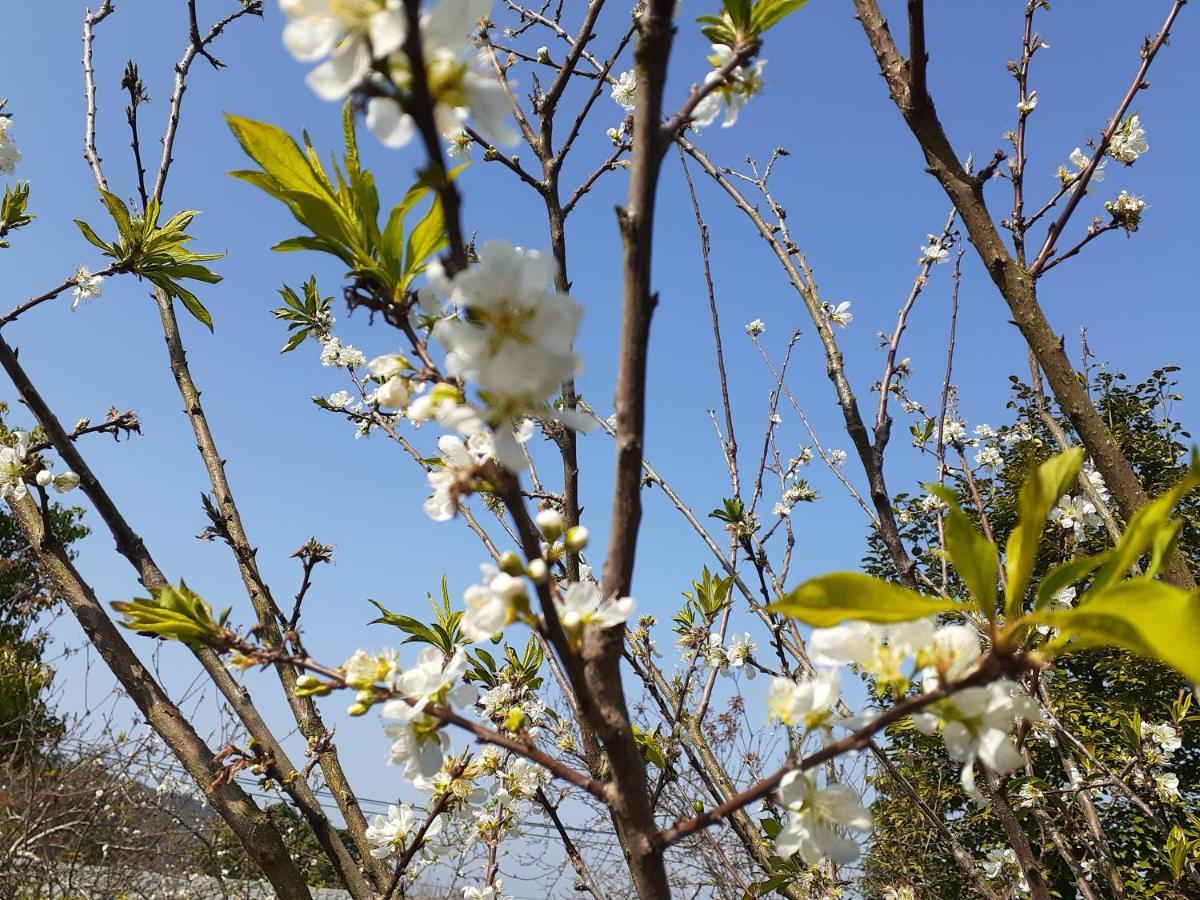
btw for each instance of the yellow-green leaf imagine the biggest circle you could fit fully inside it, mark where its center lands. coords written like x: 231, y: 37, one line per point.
x: 843, y: 596
x: 973, y: 555
x: 1144, y: 529
x: 1039, y: 493
x: 1144, y: 616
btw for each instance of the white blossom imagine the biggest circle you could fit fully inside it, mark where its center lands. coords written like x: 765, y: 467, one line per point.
x: 460, y: 85
x: 493, y: 891
x: 12, y: 468
x: 492, y: 604
x: 87, y: 286
x: 352, y: 33
x: 9, y: 154
x: 734, y: 92
x: 624, y: 90
x: 934, y: 252
x: 1076, y: 514
x: 1166, y: 786
x: 1129, y: 141
x: 976, y: 725
x: 1029, y: 104
x: 453, y: 478
x: 816, y: 815
x: 755, y: 328
x: 516, y: 345
x: 839, y: 315
x: 739, y: 651
x: 339, y: 399
x: 581, y: 605
x: 806, y: 703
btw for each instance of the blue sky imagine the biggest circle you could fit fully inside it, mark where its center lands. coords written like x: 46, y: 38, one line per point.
x: 858, y: 203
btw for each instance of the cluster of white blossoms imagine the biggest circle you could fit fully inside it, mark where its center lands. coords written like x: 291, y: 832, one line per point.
x: 418, y: 740
x: 390, y: 835
x: 510, y: 335
x: 337, y: 355
x: 797, y: 491
x: 1128, y: 142
x: 361, y: 38
x: 733, y: 93
x: 1002, y: 865
x: 839, y: 315
x: 9, y: 154
x: 881, y: 651
x: 1160, y: 742
x: 755, y: 328
x: 15, y: 466
x: 733, y: 658
x: 989, y: 458
x: 493, y: 604
x: 816, y: 818
x: 87, y: 286
x: 1076, y: 514
x: 1126, y: 210
x: 454, y: 476
x: 493, y: 891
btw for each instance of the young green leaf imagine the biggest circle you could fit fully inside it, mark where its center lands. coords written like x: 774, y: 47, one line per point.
x: 973, y: 555
x: 1039, y: 493
x: 844, y: 596
x: 1144, y: 616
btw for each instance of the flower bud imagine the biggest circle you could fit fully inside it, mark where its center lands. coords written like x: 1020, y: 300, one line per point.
x: 307, y: 682
x: 515, y: 719
x: 550, y: 521
x: 537, y: 571
x: 394, y: 393
x: 577, y: 538
x: 543, y: 54
x: 67, y: 481
x: 510, y: 563
x: 44, y: 478
x: 357, y: 709
x: 365, y: 697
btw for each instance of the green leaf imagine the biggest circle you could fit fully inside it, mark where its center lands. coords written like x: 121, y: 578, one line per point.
x: 844, y: 596
x: 973, y: 555
x: 279, y: 156
x: 93, y: 238
x: 120, y: 214
x: 770, y: 12
x: 1145, y: 530
x: 1144, y: 616
x: 426, y: 239
x: 1039, y: 493
x: 173, y: 613
x: 1064, y: 575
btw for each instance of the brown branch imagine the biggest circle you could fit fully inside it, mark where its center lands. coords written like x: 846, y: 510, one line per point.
x: 1079, y: 185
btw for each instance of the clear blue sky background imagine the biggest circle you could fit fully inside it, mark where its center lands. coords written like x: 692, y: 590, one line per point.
x: 859, y: 204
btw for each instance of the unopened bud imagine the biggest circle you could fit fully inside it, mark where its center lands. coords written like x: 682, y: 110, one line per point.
x: 44, y: 478
x: 697, y: 806
x: 550, y: 521
x: 307, y: 682
x: 358, y: 709
x: 515, y: 719
x: 537, y: 571
x: 365, y: 697
x: 543, y: 54
x: 577, y: 538
x: 510, y: 563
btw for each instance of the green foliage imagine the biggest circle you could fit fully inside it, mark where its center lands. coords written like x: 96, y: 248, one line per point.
x: 518, y: 669
x: 173, y: 613
x: 304, y: 317
x: 444, y: 633
x: 1039, y: 493
x: 341, y: 213
x: 1100, y: 695
x: 27, y: 722
x: 13, y: 210
x: 743, y: 22
x: 156, y: 252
